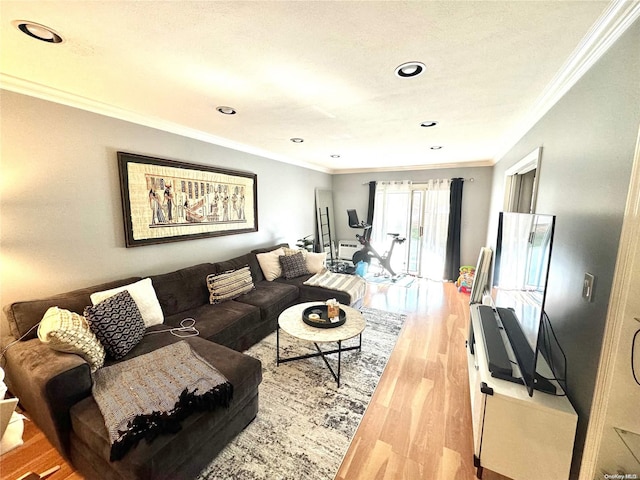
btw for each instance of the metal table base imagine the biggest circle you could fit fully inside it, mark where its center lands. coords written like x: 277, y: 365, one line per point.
x: 319, y: 353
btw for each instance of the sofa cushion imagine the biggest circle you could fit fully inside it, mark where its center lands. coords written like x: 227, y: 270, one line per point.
x: 117, y: 323
x: 293, y: 265
x: 229, y: 285
x: 183, y: 289
x: 180, y: 456
x: 239, y: 262
x: 270, y: 264
x: 226, y: 323
x: 24, y: 316
x: 159, y: 458
x: 66, y: 331
x: 143, y: 294
x: 271, y: 297
x: 48, y: 383
x: 309, y: 293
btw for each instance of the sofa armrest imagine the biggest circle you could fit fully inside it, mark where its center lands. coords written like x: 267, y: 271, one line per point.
x: 47, y: 383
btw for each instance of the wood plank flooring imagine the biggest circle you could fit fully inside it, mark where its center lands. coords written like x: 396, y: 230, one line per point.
x: 418, y: 424
x: 35, y: 455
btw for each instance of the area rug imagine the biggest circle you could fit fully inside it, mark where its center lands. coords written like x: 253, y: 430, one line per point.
x: 305, y: 422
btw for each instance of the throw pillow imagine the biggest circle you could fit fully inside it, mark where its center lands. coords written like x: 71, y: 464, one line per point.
x: 229, y: 285
x: 117, y: 323
x: 293, y: 265
x: 66, y: 331
x: 145, y: 297
x: 293, y: 251
x: 316, y: 262
x: 270, y: 264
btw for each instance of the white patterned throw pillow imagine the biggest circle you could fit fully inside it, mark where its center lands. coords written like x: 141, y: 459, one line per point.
x: 69, y: 332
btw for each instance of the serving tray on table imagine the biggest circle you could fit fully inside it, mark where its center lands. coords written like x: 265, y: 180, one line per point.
x: 323, y: 321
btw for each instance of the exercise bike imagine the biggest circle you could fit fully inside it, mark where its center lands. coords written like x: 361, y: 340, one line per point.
x: 368, y: 252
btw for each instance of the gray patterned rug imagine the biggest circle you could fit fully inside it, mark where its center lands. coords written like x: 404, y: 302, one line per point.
x: 305, y: 423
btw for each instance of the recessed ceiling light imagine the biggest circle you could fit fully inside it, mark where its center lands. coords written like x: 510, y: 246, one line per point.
x: 37, y: 31
x: 410, y: 69
x: 335, y: 156
x: 436, y: 147
x: 297, y: 140
x: 429, y: 123
x: 226, y: 110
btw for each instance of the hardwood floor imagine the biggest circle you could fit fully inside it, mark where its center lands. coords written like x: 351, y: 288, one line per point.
x: 35, y: 455
x: 418, y: 424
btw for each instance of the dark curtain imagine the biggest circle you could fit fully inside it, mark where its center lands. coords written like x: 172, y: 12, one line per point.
x: 372, y: 201
x: 452, y: 258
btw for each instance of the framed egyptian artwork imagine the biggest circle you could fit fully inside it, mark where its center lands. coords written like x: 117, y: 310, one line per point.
x: 169, y: 201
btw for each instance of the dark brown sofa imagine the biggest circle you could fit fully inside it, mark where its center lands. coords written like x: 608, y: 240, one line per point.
x: 55, y: 388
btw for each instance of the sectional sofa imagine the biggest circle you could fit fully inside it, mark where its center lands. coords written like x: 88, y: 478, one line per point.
x: 55, y: 388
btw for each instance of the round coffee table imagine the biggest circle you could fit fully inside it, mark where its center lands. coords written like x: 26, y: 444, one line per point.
x: 291, y: 322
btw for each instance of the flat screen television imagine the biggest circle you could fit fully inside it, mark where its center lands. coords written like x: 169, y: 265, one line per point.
x: 521, y: 272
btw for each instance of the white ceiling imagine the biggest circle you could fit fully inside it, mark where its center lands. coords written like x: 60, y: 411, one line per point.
x: 322, y: 71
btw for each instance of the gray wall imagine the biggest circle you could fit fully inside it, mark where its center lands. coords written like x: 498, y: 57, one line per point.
x: 61, y: 216
x: 350, y: 191
x: 588, y: 142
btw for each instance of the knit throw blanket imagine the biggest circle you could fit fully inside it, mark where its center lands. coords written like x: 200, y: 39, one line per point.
x: 350, y: 284
x: 152, y: 393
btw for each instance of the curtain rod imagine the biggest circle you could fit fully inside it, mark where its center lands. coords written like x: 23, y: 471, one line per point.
x: 391, y: 182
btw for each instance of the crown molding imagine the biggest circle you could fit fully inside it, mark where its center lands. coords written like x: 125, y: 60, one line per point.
x: 43, y: 92
x: 614, y: 21
x: 407, y: 168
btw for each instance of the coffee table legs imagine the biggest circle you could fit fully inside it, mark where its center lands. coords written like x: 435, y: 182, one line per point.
x: 326, y: 362
x: 278, y: 345
x: 320, y: 353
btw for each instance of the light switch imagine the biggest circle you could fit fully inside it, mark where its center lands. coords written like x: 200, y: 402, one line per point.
x: 587, y: 287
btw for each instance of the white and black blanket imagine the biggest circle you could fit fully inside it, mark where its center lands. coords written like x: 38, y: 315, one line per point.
x: 152, y: 393
x: 350, y: 284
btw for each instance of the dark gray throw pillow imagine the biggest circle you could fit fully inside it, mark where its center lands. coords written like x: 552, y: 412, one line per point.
x: 293, y: 265
x: 117, y: 323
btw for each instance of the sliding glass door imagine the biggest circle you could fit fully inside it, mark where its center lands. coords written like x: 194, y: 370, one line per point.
x: 391, y: 215
x: 429, y: 220
x: 416, y: 231
x: 419, y: 212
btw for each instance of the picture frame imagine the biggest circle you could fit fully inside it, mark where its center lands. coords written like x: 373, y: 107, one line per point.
x: 168, y: 201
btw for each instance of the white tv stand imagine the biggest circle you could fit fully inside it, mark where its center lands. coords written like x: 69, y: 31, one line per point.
x: 516, y: 435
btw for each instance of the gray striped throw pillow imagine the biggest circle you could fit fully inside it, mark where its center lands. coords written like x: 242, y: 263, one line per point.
x: 229, y: 285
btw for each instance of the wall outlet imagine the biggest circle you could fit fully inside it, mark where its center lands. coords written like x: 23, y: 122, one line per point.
x: 587, y: 287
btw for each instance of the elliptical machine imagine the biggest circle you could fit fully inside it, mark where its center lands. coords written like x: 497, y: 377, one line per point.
x: 368, y: 252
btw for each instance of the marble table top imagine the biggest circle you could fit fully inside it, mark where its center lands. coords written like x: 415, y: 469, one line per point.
x: 291, y: 322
